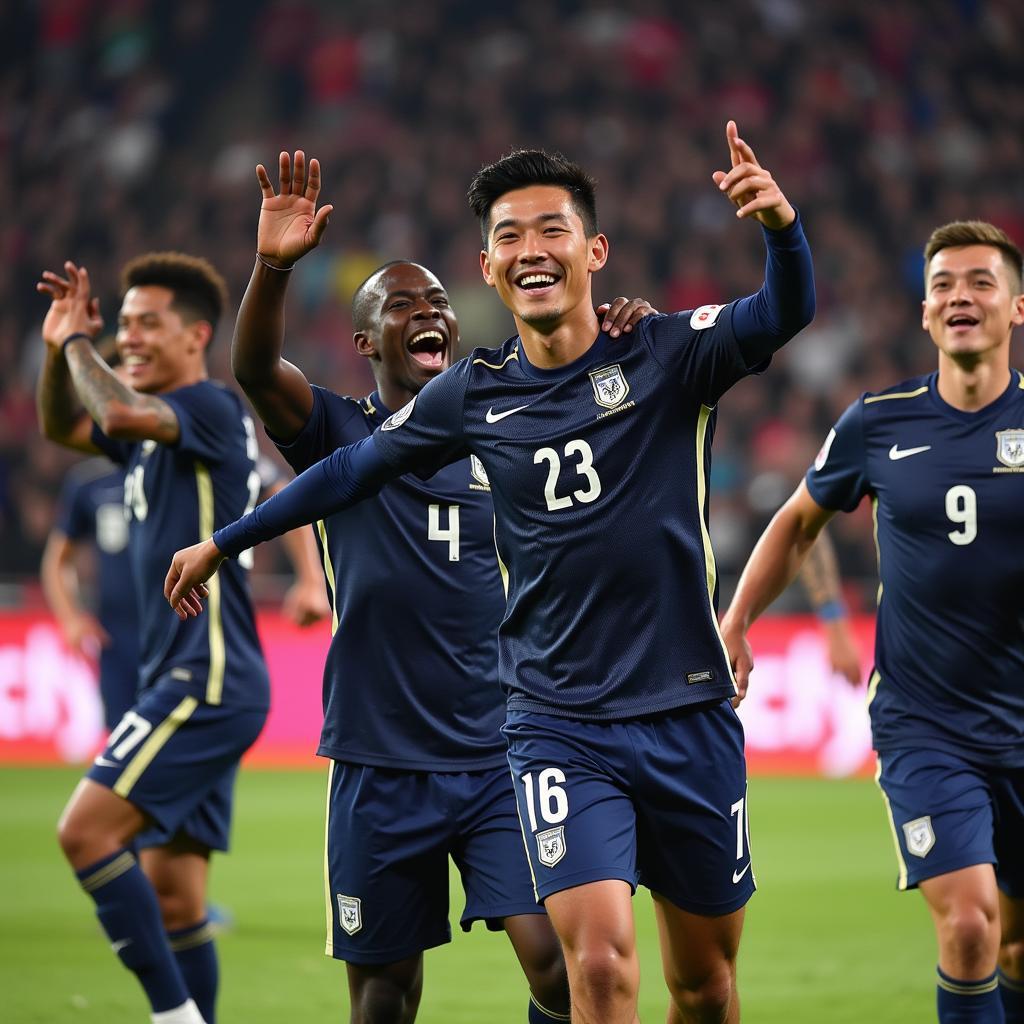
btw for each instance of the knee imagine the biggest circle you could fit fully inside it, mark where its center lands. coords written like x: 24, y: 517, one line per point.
x: 178, y: 909
x: 605, y: 972
x: 706, y: 997
x: 383, y: 1001
x: 970, y: 931
x: 80, y: 840
x: 1011, y: 957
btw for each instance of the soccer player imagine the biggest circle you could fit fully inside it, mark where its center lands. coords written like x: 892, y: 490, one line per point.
x: 91, y: 517
x: 625, y: 749
x: 940, y: 457
x: 163, y: 783
x: 412, y: 706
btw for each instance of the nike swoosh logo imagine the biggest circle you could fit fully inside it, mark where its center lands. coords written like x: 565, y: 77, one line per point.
x: 737, y: 875
x: 120, y: 944
x: 102, y: 762
x: 493, y: 417
x: 895, y: 453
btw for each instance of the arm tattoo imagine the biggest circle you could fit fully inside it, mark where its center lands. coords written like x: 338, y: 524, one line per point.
x: 57, y: 404
x: 99, y: 389
x: 820, y: 572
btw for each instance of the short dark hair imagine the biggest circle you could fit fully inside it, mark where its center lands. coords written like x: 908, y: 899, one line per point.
x: 199, y: 291
x: 975, y: 232
x: 524, y: 167
x: 362, y: 297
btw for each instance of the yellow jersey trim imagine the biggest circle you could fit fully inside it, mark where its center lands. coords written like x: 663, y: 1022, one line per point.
x: 902, y: 883
x: 499, y: 366
x: 897, y: 394
x: 502, y: 568
x: 321, y: 529
x: 153, y: 745
x: 522, y: 832
x: 115, y: 869
x: 878, y: 550
x: 967, y: 988
x: 711, y: 570
x: 215, y: 621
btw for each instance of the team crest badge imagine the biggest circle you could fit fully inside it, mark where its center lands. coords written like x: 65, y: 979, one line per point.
x: 919, y: 835
x: 396, y: 419
x: 610, y: 386
x: 551, y: 846
x: 476, y: 467
x: 350, y: 913
x: 1010, y: 447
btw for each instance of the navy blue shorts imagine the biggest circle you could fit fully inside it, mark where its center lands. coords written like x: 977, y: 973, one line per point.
x: 659, y: 800
x: 389, y: 836
x: 947, y: 813
x: 175, y: 758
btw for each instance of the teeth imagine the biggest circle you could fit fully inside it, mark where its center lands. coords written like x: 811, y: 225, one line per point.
x: 134, y: 361
x: 432, y: 335
x: 536, y: 279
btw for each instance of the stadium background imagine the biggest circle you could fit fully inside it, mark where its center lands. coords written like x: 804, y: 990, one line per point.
x: 129, y: 125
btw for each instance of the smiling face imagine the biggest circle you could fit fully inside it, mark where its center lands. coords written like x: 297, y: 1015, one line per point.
x: 410, y: 330
x: 971, y: 304
x: 538, y: 256
x: 160, y: 350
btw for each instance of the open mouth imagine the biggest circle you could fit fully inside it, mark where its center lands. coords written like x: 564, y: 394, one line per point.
x: 428, y: 348
x: 134, y: 364
x: 962, y: 320
x: 537, y: 282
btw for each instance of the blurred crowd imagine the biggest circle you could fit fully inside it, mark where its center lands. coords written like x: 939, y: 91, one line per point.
x: 130, y: 125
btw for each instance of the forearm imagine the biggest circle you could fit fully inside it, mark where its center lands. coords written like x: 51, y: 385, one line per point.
x: 765, y: 321
x: 259, y: 329
x: 117, y: 409
x: 820, y: 575
x: 344, y: 478
x: 57, y: 404
x: 59, y: 579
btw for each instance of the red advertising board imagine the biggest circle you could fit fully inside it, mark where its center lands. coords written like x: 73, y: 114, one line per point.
x: 799, y: 717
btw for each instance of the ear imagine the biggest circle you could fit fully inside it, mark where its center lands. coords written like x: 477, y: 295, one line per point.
x: 1017, y: 316
x: 364, y: 344
x: 598, y: 253
x: 924, y: 314
x: 485, y: 267
x: 200, y: 334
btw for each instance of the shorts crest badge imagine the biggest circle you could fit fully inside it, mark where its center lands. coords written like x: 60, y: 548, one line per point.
x: 610, y: 386
x: 350, y: 913
x: 919, y: 835
x: 1010, y: 447
x: 551, y: 846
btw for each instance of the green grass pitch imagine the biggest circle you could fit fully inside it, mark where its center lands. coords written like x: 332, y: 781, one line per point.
x: 827, y: 939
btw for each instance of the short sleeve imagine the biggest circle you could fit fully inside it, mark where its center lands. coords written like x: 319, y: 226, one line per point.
x: 208, y: 420
x: 838, y: 479
x: 333, y: 421
x: 698, y: 348
x: 74, y: 517
x: 427, y: 433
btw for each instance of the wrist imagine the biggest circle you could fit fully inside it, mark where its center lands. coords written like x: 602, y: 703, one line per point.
x: 831, y: 611
x: 267, y: 262
x: 76, y: 336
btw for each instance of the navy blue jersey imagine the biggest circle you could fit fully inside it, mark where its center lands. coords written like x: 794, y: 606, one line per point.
x: 599, y: 476
x: 947, y: 489
x: 175, y: 495
x: 411, y: 673
x: 91, y: 511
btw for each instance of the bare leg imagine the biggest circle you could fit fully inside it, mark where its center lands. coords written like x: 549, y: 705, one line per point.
x: 385, y: 993
x: 540, y: 956
x: 965, y: 908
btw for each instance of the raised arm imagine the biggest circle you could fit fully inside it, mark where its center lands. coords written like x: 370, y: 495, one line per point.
x: 290, y: 225
x: 75, y: 374
x: 773, y: 565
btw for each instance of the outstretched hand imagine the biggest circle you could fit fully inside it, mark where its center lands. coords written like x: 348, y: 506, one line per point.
x: 751, y: 187
x: 185, y: 585
x: 73, y: 310
x: 290, y: 224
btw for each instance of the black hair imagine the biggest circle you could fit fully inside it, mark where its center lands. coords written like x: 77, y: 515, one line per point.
x: 524, y: 167
x: 199, y: 291
x: 363, y: 298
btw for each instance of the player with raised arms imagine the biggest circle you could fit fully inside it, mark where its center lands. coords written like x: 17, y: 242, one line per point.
x: 941, y: 457
x: 625, y: 749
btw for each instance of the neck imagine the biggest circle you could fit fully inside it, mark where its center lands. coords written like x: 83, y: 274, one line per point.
x: 562, y: 343
x: 394, y: 396
x: 186, y: 379
x: 969, y: 386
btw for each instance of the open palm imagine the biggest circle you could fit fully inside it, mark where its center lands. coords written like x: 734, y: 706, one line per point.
x: 290, y: 224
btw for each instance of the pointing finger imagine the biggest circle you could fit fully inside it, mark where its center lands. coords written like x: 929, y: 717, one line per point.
x: 732, y: 136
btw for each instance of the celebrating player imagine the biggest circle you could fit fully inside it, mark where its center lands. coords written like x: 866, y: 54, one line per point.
x: 625, y: 749
x: 940, y: 458
x: 164, y: 781
x: 412, y: 727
